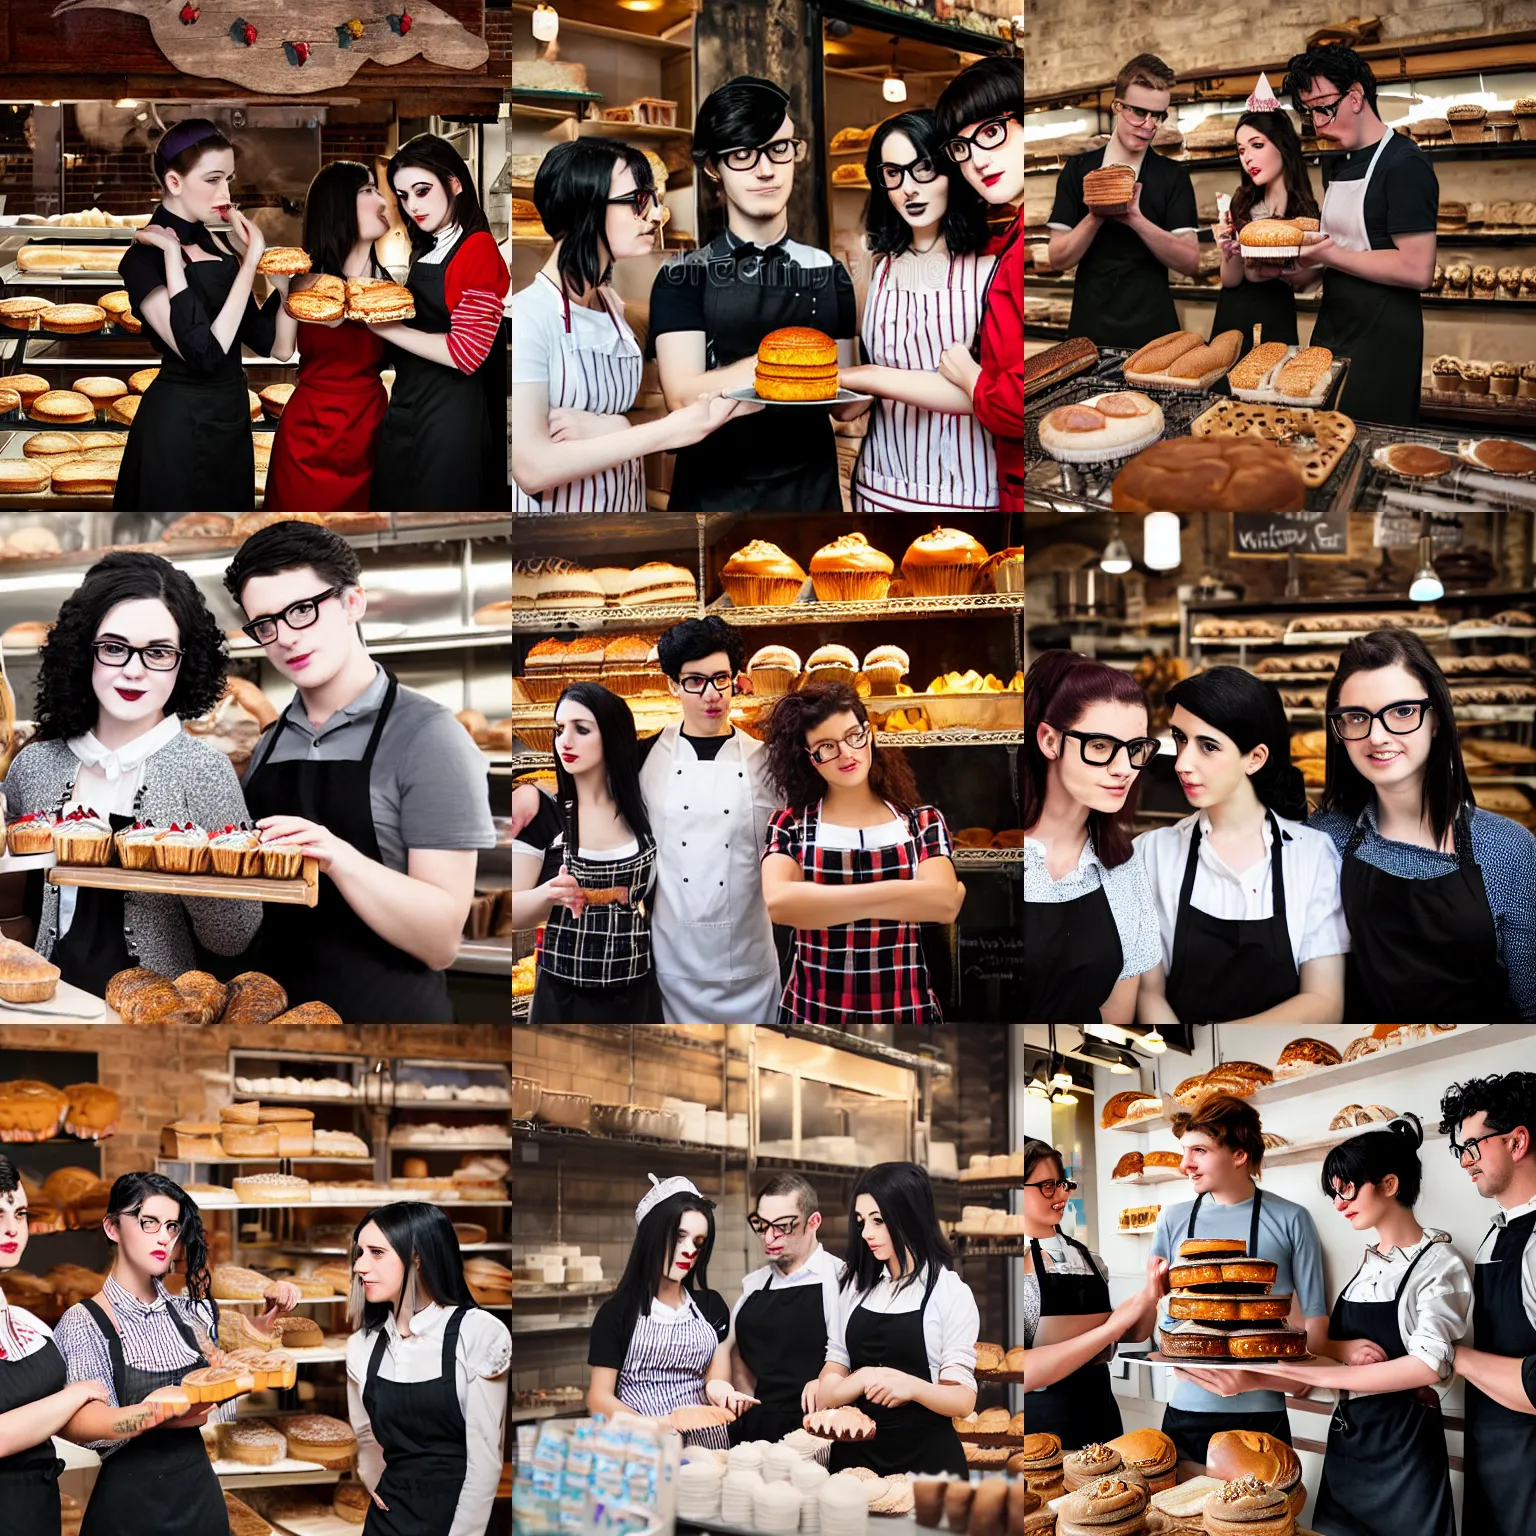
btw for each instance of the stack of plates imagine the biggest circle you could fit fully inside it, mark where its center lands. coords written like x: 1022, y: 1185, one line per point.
x: 737, y: 1494
x: 811, y: 1447
x: 747, y: 1457
x: 844, y: 1507
x: 779, y: 1463
x: 698, y: 1490
x: 808, y: 1479
x: 777, y: 1507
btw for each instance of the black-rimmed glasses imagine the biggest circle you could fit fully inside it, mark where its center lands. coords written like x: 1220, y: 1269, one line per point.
x: 785, y: 1226
x: 891, y: 174
x: 780, y: 152
x: 1140, y: 115
x: 118, y: 653
x: 1402, y: 719
x: 642, y: 200
x: 299, y: 615
x: 1471, y: 1150
x: 150, y: 1225
x: 1100, y: 751
x: 988, y: 135
x: 827, y: 751
x: 1048, y: 1187
x: 1326, y: 112
x: 722, y: 682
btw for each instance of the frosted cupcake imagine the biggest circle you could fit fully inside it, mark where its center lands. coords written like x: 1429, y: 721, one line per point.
x: 944, y: 563
x: 82, y: 837
x: 760, y: 575
x: 773, y: 671
x: 850, y: 570
x: 136, y: 845
x: 32, y: 833
x: 282, y: 861
x: 236, y: 851
x: 885, y: 666
x: 182, y: 849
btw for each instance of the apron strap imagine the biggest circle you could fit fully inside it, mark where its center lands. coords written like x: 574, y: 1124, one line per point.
x: 1277, y: 916
x: 375, y: 1358
x: 1253, y: 1225
x: 390, y: 694
x: 1194, y: 1211
x: 1413, y: 1266
x: 108, y: 1329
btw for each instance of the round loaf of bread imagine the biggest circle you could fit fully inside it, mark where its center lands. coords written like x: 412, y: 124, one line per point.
x: 1210, y: 474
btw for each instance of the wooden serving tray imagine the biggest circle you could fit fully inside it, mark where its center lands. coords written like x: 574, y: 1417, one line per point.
x: 68, y: 1005
x: 1330, y: 432
x: 305, y: 891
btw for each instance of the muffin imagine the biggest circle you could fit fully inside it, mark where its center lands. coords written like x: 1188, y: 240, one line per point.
x: 32, y: 833
x: 624, y: 667
x: 1467, y: 121
x: 885, y: 666
x: 82, y: 837
x: 831, y: 664
x: 1446, y: 374
x: 282, y: 861
x: 1528, y: 381
x: 944, y: 563
x: 1006, y: 570
x: 850, y: 570
x: 760, y: 574
x: 236, y: 851
x: 1504, y: 378
x: 1475, y: 378
x: 773, y: 670
x: 182, y: 849
x: 136, y: 845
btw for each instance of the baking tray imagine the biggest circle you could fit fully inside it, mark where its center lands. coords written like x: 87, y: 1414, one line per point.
x: 1461, y: 489
x: 68, y: 1005
x: 301, y: 892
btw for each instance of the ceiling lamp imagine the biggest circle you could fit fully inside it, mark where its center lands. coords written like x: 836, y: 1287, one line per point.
x: 1064, y: 1097
x: 1426, y: 586
x: 1154, y: 1042
x: 1038, y: 1088
x: 1116, y: 559
x: 546, y: 23
x: 893, y: 87
x: 1160, y: 541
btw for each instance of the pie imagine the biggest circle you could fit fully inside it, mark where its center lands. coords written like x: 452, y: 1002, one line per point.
x: 840, y: 1424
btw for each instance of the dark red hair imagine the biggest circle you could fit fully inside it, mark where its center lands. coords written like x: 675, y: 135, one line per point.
x: 1058, y: 687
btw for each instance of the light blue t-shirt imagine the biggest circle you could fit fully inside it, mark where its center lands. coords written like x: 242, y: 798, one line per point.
x: 1288, y: 1238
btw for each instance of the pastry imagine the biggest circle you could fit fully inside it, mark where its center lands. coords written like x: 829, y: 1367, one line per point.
x: 85, y: 477
x: 92, y: 1112
x: 295, y: 1332
x: 850, y: 570
x: 320, y: 301
x: 796, y: 363
x: 1224, y: 1275
x: 1045, y: 370
x: 1318, y: 440
x: 1235, y: 1453
x: 1248, y: 1507
x: 274, y: 397
x: 839, y: 1424
x: 124, y: 410
x: 271, y: 1189
x: 377, y: 301
x: 1174, y: 1160
x: 1151, y: 1453
x: 759, y: 574
x: 250, y: 1141
x: 1210, y: 474
x: 1355, y: 1114
x: 943, y: 563
x: 1360, y: 623
x: 27, y: 385
x: 1212, y: 1307
x: 1251, y: 372
x: 1267, y: 1343
x: 1501, y: 457
x: 285, y: 260
x: 181, y: 849
x: 1101, y: 428
x: 253, y: 1442
x: 1129, y: 1167
x: 72, y: 319
x: 1109, y: 189
x: 1211, y: 1247
x: 1119, y: 1106
x: 30, y: 1111
x: 1157, y: 356
x: 232, y: 1283
x: 61, y: 407
x: 1412, y: 461
x: 1306, y: 1055
x: 100, y: 389
x: 216, y: 1383
x: 20, y: 314
x: 1205, y: 361
x: 1111, y: 1506
x: 351, y: 1502
x: 1089, y: 1464
x: 236, y: 851
x: 1193, y: 1341
x: 328, y: 1442
x: 25, y: 977
x: 699, y: 1416
x: 30, y: 834
x: 1302, y: 375
x: 82, y: 837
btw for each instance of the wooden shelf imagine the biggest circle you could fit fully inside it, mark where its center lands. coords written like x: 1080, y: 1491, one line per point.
x: 301, y: 892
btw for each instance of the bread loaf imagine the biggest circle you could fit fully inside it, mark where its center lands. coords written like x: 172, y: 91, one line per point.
x: 1157, y: 356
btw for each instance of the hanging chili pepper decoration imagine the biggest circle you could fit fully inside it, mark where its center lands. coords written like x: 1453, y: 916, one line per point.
x: 401, y: 23
x: 243, y: 32
x: 297, y: 53
x: 189, y: 14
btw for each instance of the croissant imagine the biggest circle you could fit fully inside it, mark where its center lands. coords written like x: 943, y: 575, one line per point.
x: 699, y: 1416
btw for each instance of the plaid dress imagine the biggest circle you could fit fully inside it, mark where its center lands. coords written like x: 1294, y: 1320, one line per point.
x: 872, y: 968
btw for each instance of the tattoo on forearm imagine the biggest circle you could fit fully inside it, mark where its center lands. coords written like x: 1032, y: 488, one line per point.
x: 129, y: 1423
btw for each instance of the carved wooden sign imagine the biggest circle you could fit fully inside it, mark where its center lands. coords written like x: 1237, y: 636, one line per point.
x: 293, y: 47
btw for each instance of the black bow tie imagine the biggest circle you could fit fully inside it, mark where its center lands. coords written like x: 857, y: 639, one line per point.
x: 746, y: 251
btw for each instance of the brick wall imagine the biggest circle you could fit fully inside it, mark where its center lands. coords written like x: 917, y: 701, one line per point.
x: 498, y: 36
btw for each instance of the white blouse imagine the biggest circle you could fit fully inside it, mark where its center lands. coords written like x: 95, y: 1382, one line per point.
x: 483, y: 1364
x: 21, y: 1334
x: 1125, y: 887
x: 950, y: 1325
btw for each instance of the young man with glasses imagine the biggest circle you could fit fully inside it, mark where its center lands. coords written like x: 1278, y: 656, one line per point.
x: 378, y: 782
x: 711, y: 308
x: 778, y: 1339
x: 1121, y: 297
x: 1378, y: 251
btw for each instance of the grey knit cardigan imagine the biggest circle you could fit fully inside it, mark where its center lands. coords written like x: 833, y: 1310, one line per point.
x: 186, y: 780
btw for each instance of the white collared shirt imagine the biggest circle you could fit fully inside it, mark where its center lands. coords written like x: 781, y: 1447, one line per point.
x: 1310, y: 863
x: 1501, y: 1219
x: 483, y: 1363
x: 820, y: 1268
x: 951, y: 1324
x: 21, y: 1334
x: 1129, y: 895
x: 1435, y: 1308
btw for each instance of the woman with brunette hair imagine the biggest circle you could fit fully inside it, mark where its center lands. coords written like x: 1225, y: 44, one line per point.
x: 926, y: 227
x: 1247, y: 895
x: 443, y: 443
x: 1440, y: 896
x: 584, y: 867
x: 576, y: 364
x: 854, y: 863
x: 427, y: 1377
x: 139, y: 1336
x: 189, y: 447
x: 135, y: 653
x: 902, y: 1344
x: 1090, y: 929
x: 661, y: 1342
x: 323, y: 450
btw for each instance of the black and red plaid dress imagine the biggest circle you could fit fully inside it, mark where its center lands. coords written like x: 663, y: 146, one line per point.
x: 872, y: 968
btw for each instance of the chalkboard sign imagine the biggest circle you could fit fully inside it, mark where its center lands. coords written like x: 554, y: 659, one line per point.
x: 1273, y: 535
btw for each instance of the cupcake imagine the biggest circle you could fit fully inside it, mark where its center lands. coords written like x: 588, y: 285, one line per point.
x: 584, y: 659
x: 773, y: 670
x: 32, y: 833
x: 1527, y: 382
x: 1446, y: 374
x: 885, y: 666
x: 849, y: 570
x: 182, y: 849
x: 624, y: 665
x: 1525, y: 117
x: 1503, y: 126
x: 760, y: 574
x: 831, y: 664
x: 235, y: 851
x: 1504, y: 378
x: 1467, y: 122
x: 1006, y: 570
x: 1475, y: 378
x: 282, y: 861
x: 136, y: 845
x: 82, y: 837
x: 944, y: 563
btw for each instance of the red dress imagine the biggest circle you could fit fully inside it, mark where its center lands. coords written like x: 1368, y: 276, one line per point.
x: 322, y: 460
x: 998, y: 399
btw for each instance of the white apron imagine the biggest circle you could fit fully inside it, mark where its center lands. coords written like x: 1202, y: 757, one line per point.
x: 711, y: 937
x: 1343, y: 219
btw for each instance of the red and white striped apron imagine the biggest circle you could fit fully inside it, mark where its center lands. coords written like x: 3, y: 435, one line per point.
x: 666, y: 1366
x: 605, y: 381
x: 915, y: 460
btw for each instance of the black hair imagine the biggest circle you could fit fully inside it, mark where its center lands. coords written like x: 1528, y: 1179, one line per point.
x: 427, y: 152
x: 66, y: 703
x: 423, y: 1237
x: 183, y: 144
x: 330, y: 214
x: 741, y: 114
x: 1277, y: 127
x: 286, y: 546
x: 1368, y: 1159
x: 694, y: 639
x: 1446, y: 791
x: 964, y: 225
x: 650, y: 1255
x: 571, y: 192
x: 1249, y: 710
x: 1507, y: 1099
x: 621, y: 760
x: 131, y: 1190
x: 904, y: 1195
x: 1341, y: 67
x: 1037, y: 1152
x: 10, y: 1179
x: 991, y: 87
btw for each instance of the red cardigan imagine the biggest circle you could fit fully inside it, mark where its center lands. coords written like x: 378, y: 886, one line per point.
x: 998, y: 400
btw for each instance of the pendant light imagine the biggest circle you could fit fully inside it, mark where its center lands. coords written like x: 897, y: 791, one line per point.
x: 894, y: 87
x: 1154, y: 1042
x: 1160, y: 541
x: 1426, y: 586
x: 1116, y: 559
x: 546, y: 23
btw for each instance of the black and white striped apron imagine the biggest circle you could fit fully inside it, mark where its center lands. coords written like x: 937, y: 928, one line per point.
x: 915, y: 460
x: 605, y: 383
x: 666, y: 1367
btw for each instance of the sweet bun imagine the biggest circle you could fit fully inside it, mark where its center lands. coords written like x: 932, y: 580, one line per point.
x: 796, y: 362
x: 1112, y: 426
x: 283, y: 260
x: 1210, y: 474
x: 321, y: 300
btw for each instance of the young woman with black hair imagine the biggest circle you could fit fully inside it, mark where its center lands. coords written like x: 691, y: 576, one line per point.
x: 854, y: 863
x: 1394, y: 1332
x: 190, y: 447
x: 135, y: 653
x: 1438, y: 893
x: 584, y: 867
x: 576, y: 364
x: 1247, y: 895
x: 902, y: 1345
x: 427, y: 1374
x: 155, y: 1478
x: 323, y: 450
x: 1089, y: 925
x: 443, y: 443
x: 926, y: 228
x: 662, y: 1340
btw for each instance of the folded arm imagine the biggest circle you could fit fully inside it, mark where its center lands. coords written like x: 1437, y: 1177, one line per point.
x: 934, y: 895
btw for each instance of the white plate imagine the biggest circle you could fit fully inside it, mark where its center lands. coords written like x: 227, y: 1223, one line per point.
x: 1220, y: 1365
x: 751, y: 396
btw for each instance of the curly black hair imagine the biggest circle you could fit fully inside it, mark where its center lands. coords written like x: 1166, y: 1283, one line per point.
x: 694, y: 639
x: 131, y: 1190
x: 66, y: 703
x: 1507, y: 1098
x: 790, y: 768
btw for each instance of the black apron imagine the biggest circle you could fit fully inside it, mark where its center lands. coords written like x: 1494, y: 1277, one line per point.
x: 437, y: 450
x: 327, y: 953
x: 96, y: 947
x: 1120, y: 296
x: 559, y: 1002
x: 1072, y: 959
x: 1421, y: 949
x: 1271, y: 305
x: 161, y: 1483
x: 1499, y: 1447
x: 1080, y: 1410
x: 777, y: 460
x: 29, y: 1479
x: 908, y: 1438
x: 421, y: 1431
x: 1231, y: 968
x: 782, y: 1336
x: 1375, y: 327
x: 1190, y: 1430
x: 1386, y: 1450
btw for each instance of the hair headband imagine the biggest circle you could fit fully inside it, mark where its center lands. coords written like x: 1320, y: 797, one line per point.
x: 184, y: 135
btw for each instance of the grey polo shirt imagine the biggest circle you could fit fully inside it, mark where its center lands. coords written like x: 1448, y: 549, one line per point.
x: 428, y: 788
